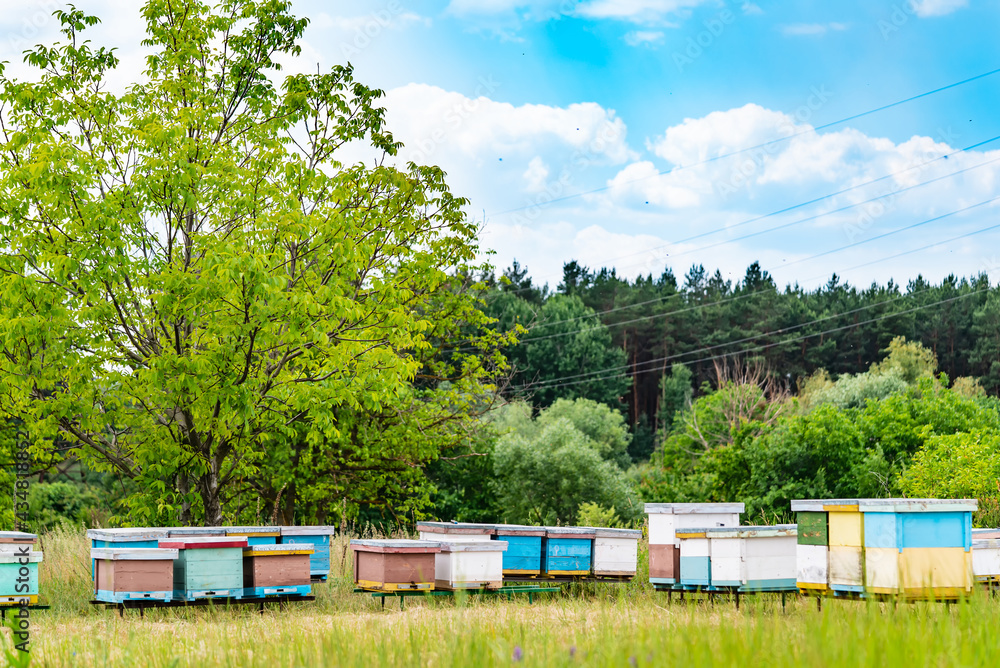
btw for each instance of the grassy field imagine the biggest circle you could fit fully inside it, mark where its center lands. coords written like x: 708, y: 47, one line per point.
x: 592, y: 625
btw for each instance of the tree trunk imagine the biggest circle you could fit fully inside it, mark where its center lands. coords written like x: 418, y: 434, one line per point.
x: 184, y: 486
x: 208, y: 489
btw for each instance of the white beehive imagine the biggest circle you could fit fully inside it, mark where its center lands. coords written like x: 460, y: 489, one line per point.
x: 470, y: 565
x: 616, y: 552
x: 753, y: 558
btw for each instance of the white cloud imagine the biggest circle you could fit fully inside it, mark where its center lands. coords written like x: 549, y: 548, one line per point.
x: 798, y: 29
x: 536, y: 175
x: 429, y: 119
x: 636, y: 11
x: 927, y: 8
x: 639, y: 37
x: 750, y: 9
x: 711, y: 173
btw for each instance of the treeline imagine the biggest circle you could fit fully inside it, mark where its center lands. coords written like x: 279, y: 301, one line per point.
x: 615, y: 340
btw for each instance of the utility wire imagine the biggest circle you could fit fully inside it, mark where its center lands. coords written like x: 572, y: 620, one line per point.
x: 764, y: 144
x: 793, y: 207
x: 757, y: 349
x: 750, y: 294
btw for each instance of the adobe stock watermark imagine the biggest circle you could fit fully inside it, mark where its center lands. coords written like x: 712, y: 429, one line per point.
x: 873, y: 210
x: 453, y: 119
x: 370, y: 27
x: 755, y: 160
x: 712, y: 31
x: 24, y: 38
x: 899, y: 15
x: 20, y: 624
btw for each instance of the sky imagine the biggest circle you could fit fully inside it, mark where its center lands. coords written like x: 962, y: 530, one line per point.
x: 621, y: 133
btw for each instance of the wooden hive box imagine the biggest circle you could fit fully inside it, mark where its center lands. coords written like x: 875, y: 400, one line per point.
x: 918, y: 548
x: 469, y: 565
x: 666, y: 518
x: 194, y: 532
x: 986, y: 559
x: 124, y: 538
x: 207, y: 566
x: 830, y: 546
x: 568, y: 552
x: 256, y: 535
x: 272, y: 569
x: 319, y: 538
x: 616, y: 552
x: 455, y: 532
x: 9, y: 540
x: 695, y: 550
x: 753, y: 559
x: 393, y: 565
x: 16, y: 586
x: 524, y: 549
x: 133, y: 573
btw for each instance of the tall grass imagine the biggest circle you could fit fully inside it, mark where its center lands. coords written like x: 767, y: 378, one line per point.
x: 592, y: 625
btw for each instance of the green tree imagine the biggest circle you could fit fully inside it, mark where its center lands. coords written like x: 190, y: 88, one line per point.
x: 544, y: 469
x: 568, y: 342
x: 604, y: 426
x: 191, y: 280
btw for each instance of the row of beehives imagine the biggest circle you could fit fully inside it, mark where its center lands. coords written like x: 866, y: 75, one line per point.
x: 921, y: 548
x: 18, y: 568
x: 190, y: 563
x: 465, y: 556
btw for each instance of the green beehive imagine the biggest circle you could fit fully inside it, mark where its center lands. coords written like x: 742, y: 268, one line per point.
x: 813, y: 528
x: 210, y: 567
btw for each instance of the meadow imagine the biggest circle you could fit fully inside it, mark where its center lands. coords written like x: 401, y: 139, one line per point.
x: 586, y: 625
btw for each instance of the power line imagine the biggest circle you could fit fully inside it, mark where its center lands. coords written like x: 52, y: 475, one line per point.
x: 816, y: 200
x: 749, y: 294
x: 760, y: 348
x: 889, y: 234
x: 634, y: 366
x: 764, y: 144
x: 923, y: 248
x: 823, y: 214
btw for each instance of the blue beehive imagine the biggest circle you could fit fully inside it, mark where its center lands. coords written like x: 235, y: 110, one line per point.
x: 319, y: 538
x: 524, y: 549
x: 568, y: 551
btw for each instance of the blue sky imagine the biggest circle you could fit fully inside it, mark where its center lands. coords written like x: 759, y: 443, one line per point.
x: 527, y: 101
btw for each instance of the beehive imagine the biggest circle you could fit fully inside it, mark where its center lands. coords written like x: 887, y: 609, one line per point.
x: 272, y: 569
x: 830, y: 545
x: 454, y: 532
x: 524, y: 549
x: 918, y: 548
x: 9, y: 540
x: 256, y: 535
x: 753, y: 559
x: 189, y: 532
x: 695, y: 567
x: 319, y: 538
x: 666, y: 518
x: 568, y: 551
x: 16, y: 586
x: 133, y: 573
x: 616, y: 552
x: 470, y: 565
x: 207, y: 566
x: 130, y: 538
x: 986, y: 559
x: 391, y: 565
